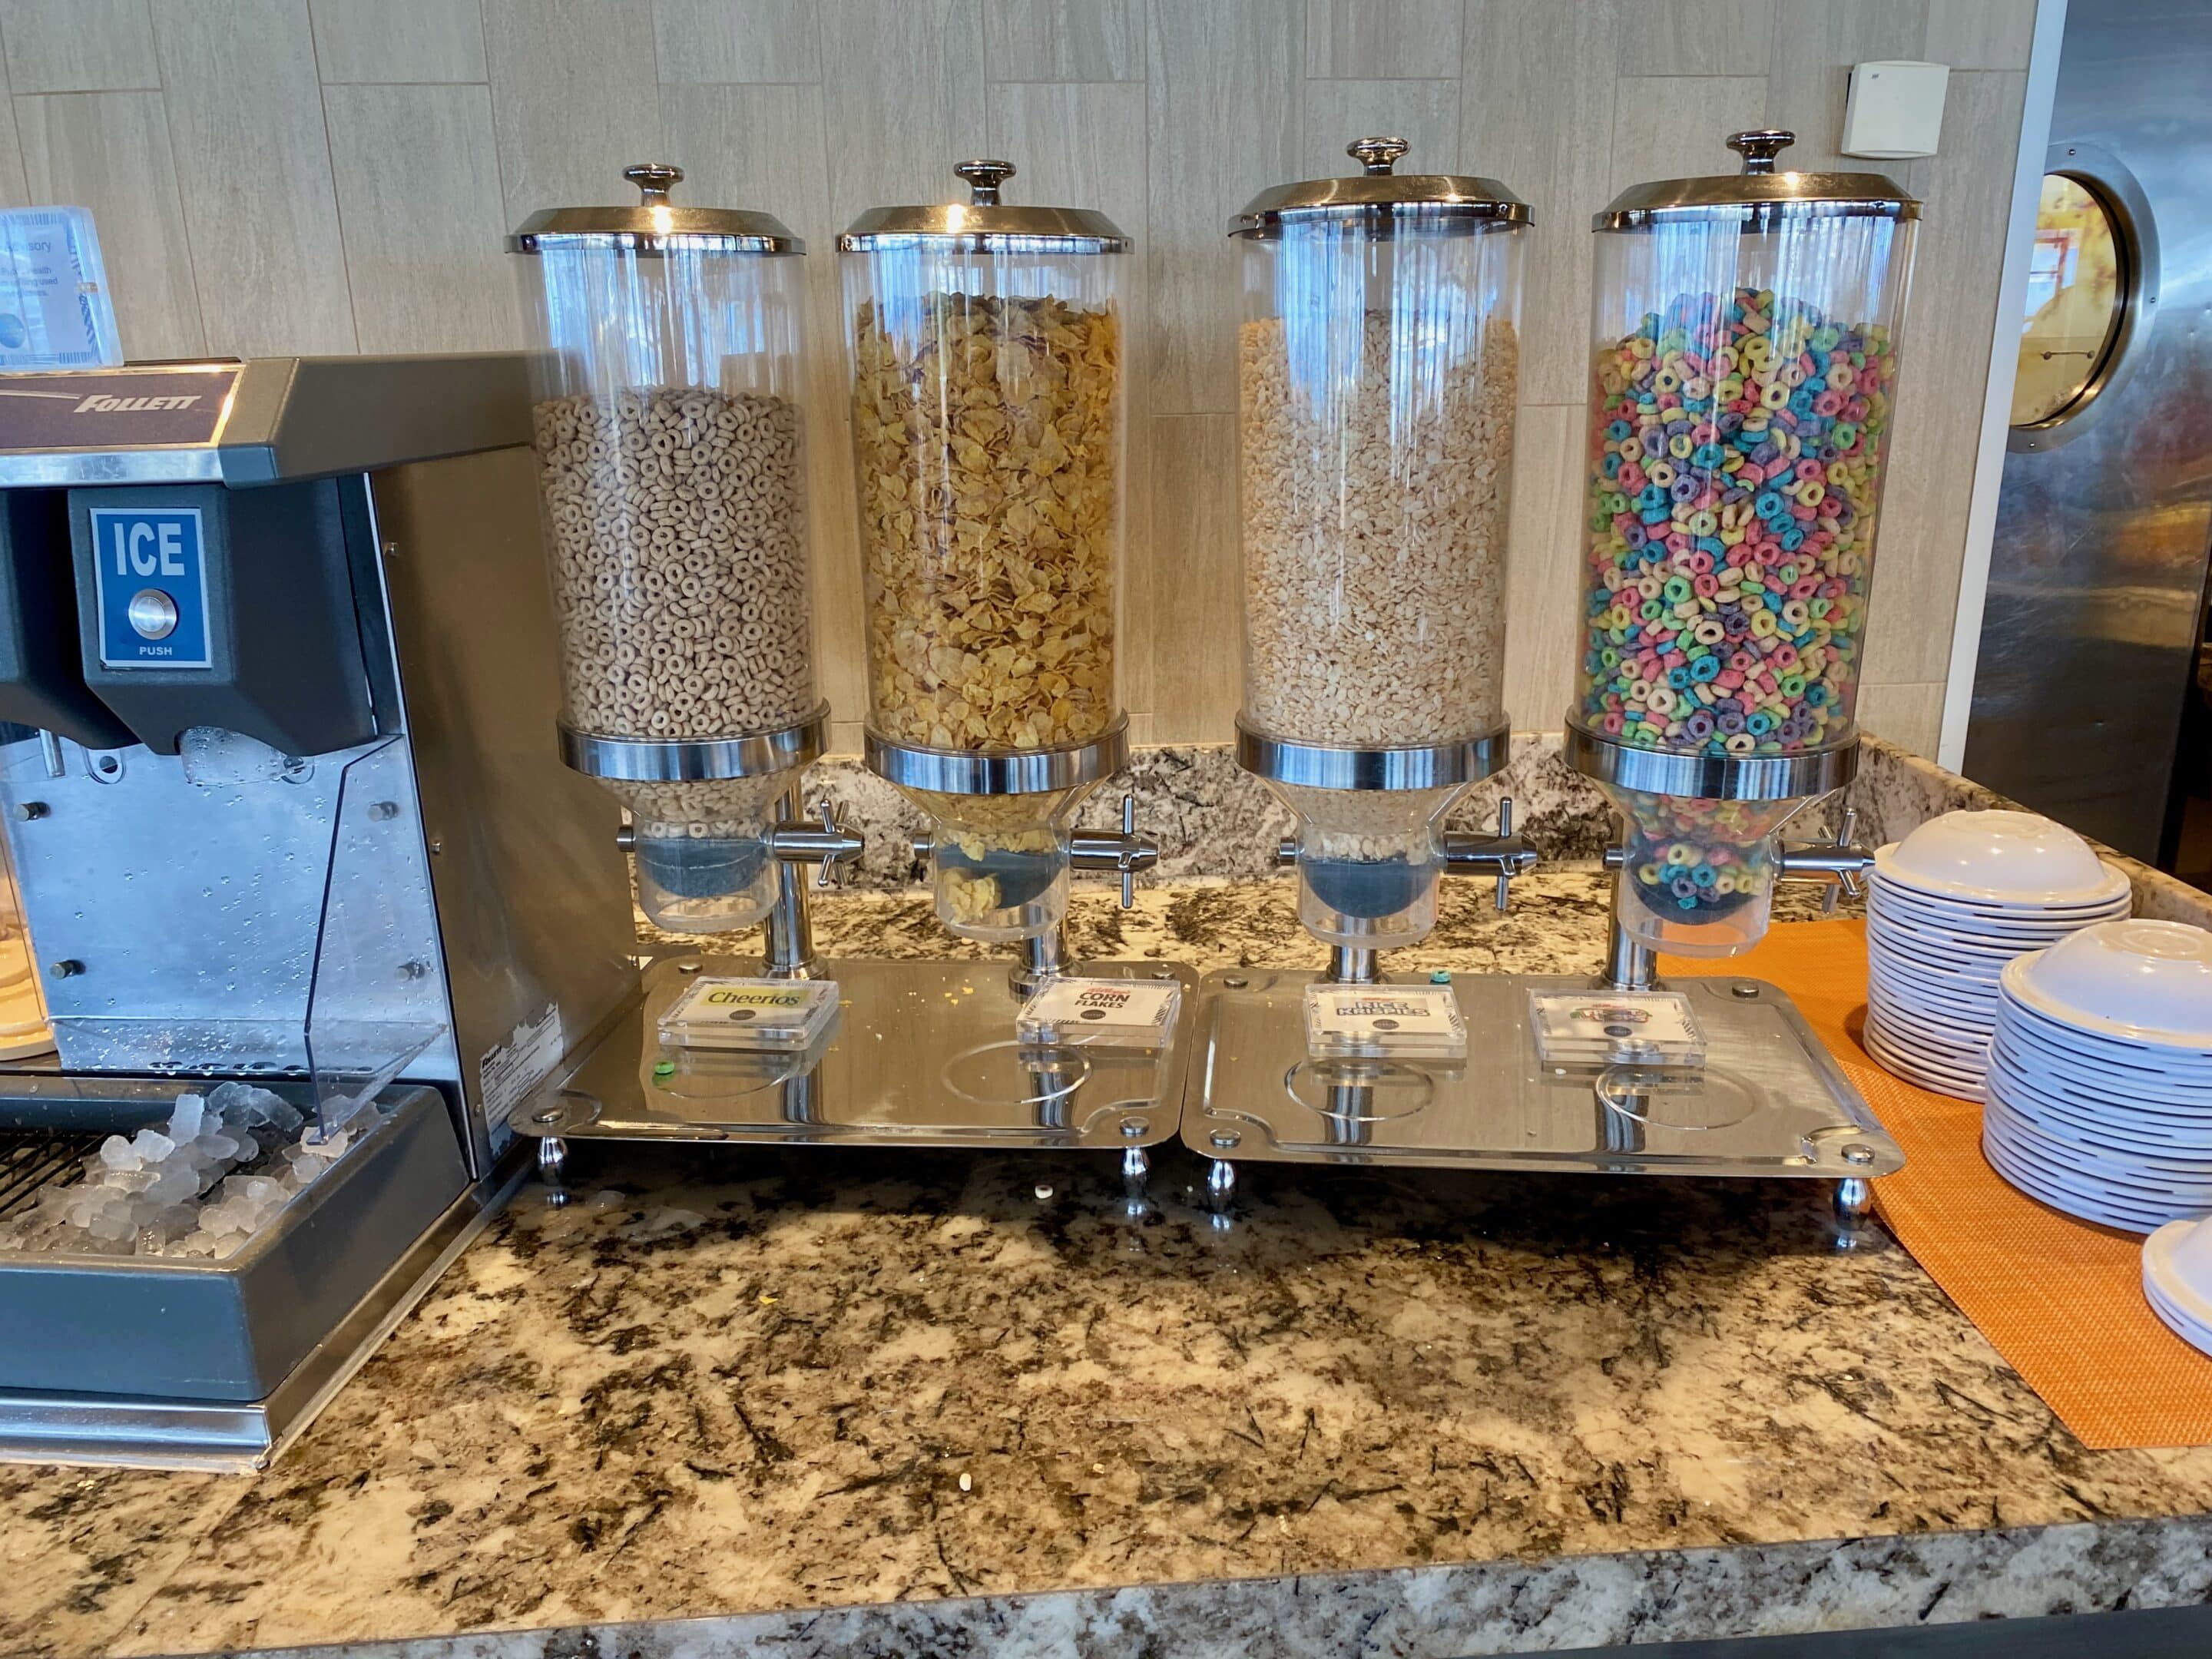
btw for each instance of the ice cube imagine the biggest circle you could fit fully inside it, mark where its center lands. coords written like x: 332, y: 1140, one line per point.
x: 152, y: 1145
x: 174, y: 1185
x: 117, y: 1153
x: 112, y: 1223
x: 216, y: 1145
x: 186, y: 1121
x: 261, y: 1191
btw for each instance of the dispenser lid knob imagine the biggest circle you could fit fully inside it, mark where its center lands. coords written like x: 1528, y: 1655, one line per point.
x: 1759, y: 147
x: 984, y: 178
x: 1378, y: 155
x: 653, y: 180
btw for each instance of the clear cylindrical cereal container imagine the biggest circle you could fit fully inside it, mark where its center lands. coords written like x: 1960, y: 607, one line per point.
x: 1743, y: 379
x: 1379, y: 358
x: 667, y: 432
x: 1744, y: 374
x: 988, y: 449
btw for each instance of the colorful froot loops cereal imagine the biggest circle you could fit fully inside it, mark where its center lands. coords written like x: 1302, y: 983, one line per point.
x: 1691, y: 863
x: 1736, y: 451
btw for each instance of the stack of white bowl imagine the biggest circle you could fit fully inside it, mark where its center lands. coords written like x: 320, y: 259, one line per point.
x: 2176, y: 1270
x: 2100, y: 1099
x: 1947, y: 908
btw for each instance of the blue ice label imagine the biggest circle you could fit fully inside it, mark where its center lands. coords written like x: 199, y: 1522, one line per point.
x: 150, y: 568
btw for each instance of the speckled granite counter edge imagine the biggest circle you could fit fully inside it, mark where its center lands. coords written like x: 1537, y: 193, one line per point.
x: 1494, y: 1607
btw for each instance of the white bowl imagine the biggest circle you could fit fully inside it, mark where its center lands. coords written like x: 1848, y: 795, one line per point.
x: 2002, y: 855
x: 2178, y: 1262
x: 2149, y: 980
x: 2160, y: 1063
x: 2025, y: 930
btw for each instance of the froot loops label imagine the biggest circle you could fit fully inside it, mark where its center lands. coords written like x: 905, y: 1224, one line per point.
x: 1736, y: 451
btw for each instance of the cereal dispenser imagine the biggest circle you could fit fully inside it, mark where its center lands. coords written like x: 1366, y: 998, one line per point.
x: 989, y: 449
x: 987, y: 422
x: 1743, y: 380
x: 667, y: 430
x: 1377, y: 361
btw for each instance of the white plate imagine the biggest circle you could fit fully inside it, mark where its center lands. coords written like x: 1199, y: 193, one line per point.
x: 2038, y: 1185
x: 2022, y: 988
x: 2123, y: 1124
x: 2098, y: 1082
x: 2161, y: 1276
x: 1948, y: 958
x: 2154, y: 1178
x: 2174, y: 1316
x: 1966, y: 994
x: 1929, y: 1027
x: 2080, y: 1190
x: 1941, y: 1080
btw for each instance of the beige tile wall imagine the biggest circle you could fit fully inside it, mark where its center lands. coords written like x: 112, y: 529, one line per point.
x: 336, y: 175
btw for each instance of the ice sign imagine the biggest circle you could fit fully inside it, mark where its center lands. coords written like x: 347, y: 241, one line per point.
x: 150, y: 565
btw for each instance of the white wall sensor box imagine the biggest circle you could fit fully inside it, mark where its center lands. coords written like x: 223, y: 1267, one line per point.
x: 1894, y: 111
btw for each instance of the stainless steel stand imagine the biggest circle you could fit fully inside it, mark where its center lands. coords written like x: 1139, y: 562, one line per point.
x: 1768, y: 1102
x: 1451, y: 765
x: 1842, y: 864
x: 922, y: 1052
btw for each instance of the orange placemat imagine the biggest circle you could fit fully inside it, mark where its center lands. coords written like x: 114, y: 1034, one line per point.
x: 2061, y: 1299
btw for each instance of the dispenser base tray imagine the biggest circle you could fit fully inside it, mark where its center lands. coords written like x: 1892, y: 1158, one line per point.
x: 217, y: 1366
x: 922, y: 1054
x: 1768, y: 1101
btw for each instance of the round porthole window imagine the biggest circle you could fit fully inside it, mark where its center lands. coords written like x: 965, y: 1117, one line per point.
x: 2073, y: 320
x: 2088, y: 284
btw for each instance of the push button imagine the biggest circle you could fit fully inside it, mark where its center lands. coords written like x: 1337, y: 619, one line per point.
x: 153, y: 614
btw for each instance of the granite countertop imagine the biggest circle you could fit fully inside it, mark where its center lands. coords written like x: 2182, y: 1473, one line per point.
x: 1411, y: 1414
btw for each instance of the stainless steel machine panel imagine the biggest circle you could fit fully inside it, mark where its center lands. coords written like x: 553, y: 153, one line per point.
x: 532, y: 893
x: 1768, y: 1101
x: 175, y: 901
x: 2097, y: 579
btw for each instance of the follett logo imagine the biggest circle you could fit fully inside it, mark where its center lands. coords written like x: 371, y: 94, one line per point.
x: 103, y: 403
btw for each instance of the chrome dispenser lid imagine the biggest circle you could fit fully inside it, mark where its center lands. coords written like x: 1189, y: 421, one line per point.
x: 655, y: 225
x: 1759, y: 194
x: 984, y: 224
x: 1380, y: 193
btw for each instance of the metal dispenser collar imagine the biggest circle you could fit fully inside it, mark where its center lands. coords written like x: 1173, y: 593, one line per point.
x: 1409, y: 766
x: 695, y: 760
x: 998, y: 771
x: 1703, y: 776
x: 655, y: 225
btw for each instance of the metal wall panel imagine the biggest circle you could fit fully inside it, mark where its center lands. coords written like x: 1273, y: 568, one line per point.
x: 2097, y: 579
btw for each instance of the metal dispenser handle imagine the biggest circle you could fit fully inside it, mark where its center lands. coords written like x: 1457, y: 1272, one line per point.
x: 1505, y: 854
x: 1108, y: 852
x: 1841, y: 862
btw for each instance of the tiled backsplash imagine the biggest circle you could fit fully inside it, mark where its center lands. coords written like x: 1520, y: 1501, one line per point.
x: 276, y: 176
